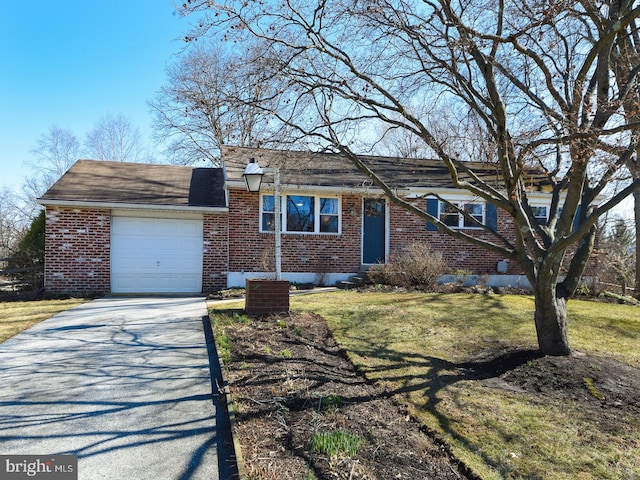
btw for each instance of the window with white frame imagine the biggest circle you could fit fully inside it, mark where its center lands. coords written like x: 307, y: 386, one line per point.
x: 268, y: 214
x: 541, y: 214
x: 450, y: 214
x: 302, y: 214
x: 329, y: 215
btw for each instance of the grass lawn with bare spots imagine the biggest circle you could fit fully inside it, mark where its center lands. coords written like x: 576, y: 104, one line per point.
x: 467, y: 368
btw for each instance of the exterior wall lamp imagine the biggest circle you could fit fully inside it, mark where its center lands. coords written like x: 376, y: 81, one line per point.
x: 252, y: 175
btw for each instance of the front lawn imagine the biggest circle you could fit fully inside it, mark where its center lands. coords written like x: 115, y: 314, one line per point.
x: 467, y: 368
x: 18, y: 316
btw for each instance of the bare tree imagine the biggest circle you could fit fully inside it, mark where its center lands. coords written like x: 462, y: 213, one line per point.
x: 12, y: 222
x: 626, y: 58
x: 209, y: 99
x: 537, y: 76
x: 114, y: 138
x: 397, y: 142
x: 54, y: 153
x: 617, y: 259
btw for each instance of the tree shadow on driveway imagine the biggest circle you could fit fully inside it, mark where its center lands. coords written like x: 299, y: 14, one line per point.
x: 132, y: 398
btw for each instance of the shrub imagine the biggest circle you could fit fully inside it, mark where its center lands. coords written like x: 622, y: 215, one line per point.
x: 27, y: 262
x: 418, y: 266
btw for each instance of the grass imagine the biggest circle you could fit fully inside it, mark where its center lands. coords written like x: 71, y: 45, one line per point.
x: 413, y: 344
x: 18, y: 316
x: 219, y: 322
x: 337, y: 443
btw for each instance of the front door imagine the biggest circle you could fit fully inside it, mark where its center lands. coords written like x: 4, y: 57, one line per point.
x: 374, y: 231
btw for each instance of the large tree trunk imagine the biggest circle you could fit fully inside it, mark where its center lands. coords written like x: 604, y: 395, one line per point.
x: 551, y: 320
x: 636, y: 208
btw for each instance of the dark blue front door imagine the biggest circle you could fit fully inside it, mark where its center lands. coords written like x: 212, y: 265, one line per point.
x: 373, y: 241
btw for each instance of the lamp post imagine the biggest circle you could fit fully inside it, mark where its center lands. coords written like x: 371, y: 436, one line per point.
x: 252, y: 175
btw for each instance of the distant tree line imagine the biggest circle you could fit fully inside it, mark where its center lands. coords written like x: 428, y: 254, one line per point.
x: 22, y: 220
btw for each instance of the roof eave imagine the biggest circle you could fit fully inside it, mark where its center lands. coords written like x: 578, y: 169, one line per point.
x: 288, y: 187
x: 131, y: 206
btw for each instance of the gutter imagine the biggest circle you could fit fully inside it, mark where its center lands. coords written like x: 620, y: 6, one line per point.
x: 288, y: 187
x: 132, y: 206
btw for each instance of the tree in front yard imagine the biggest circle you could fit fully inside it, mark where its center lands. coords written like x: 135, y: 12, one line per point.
x: 545, y: 83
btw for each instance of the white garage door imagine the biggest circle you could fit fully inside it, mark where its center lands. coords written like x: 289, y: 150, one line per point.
x: 156, y: 255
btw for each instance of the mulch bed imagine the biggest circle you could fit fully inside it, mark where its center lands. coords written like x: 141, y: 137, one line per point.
x: 282, y: 368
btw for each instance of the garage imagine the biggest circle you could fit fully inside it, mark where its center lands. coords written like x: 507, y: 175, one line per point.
x: 156, y: 255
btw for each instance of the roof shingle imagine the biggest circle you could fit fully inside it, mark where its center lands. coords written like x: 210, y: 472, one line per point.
x: 137, y: 183
x: 335, y: 170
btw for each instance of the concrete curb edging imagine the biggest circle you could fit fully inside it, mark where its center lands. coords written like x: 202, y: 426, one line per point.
x: 230, y: 410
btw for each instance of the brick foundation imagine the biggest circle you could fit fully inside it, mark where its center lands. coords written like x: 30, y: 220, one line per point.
x: 267, y: 296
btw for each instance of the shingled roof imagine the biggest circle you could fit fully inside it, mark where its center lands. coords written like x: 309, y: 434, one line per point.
x: 121, y: 183
x: 335, y: 170
x: 92, y: 181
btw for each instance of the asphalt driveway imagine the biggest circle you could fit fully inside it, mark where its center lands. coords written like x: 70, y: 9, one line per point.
x: 127, y: 384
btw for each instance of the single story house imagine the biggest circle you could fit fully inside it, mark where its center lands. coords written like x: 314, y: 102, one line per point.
x: 137, y: 228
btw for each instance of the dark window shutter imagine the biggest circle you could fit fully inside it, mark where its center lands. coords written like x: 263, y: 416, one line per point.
x: 492, y: 217
x: 576, y: 219
x: 433, y: 210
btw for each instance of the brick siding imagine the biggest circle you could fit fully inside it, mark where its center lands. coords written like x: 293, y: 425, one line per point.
x: 406, y: 228
x: 78, y: 245
x: 267, y: 296
x: 77, y: 251
x: 216, y: 252
x: 252, y: 251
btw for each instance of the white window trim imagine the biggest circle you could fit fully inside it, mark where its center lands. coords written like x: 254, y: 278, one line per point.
x: 460, y: 204
x: 317, y: 214
x: 547, y: 207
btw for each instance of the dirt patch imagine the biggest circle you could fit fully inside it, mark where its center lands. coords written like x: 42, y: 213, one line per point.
x: 289, y: 378
x: 606, y: 390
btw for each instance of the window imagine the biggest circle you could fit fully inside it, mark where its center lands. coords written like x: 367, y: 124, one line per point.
x: 302, y: 214
x: 268, y: 214
x: 540, y: 214
x: 475, y: 211
x: 450, y: 216
x: 329, y: 215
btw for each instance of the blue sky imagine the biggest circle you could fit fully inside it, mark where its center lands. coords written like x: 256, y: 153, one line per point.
x: 69, y: 62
